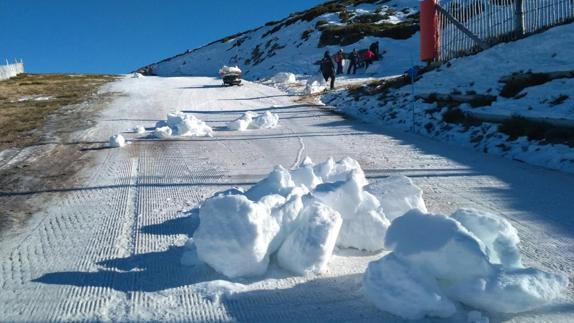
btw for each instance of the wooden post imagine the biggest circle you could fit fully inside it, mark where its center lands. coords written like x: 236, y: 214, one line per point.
x: 519, y: 17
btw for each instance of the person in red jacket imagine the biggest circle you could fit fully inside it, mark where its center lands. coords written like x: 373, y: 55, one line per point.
x: 369, y: 58
x: 339, y: 57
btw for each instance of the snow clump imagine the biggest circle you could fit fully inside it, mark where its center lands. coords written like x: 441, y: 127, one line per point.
x: 139, y: 129
x: 299, y: 215
x: 469, y: 258
x: 117, y: 141
x: 254, y: 120
x: 181, y: 124
x: 284, y: 78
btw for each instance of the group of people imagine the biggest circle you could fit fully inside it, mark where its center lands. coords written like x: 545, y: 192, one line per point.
x: 328, y: 67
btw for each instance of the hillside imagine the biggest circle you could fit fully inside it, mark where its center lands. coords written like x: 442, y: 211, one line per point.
x: 295, y: 43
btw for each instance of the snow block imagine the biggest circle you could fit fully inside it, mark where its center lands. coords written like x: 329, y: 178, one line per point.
x: 310, y: 246
x: 284, y: 78
x: 304, y: 175
x: 440, y: 243
x: 267, y: 120
x: 162, y: 132
x: 242, y: 123
x: 404, y: 291
x: 234, y: 235
x: 364, y: 224
x: 188, y: 125
x: 498, y: 235
x: 277, y: 182
x: 117, y: 141
x: 398, y: 195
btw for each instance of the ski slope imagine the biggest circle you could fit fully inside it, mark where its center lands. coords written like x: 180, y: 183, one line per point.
x: 110, y: 247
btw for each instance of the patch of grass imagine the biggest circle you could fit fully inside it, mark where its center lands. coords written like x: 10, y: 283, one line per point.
x: 352, y: 33
x: 21, y: 113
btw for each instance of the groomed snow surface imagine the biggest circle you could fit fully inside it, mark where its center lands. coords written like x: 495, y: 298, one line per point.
x: 437, y: 262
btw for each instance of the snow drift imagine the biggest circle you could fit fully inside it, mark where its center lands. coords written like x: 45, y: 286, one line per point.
x: 181, y: 124
x: 470, y: 258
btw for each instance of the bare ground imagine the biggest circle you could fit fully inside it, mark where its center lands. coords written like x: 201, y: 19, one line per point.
x: 38, y: 114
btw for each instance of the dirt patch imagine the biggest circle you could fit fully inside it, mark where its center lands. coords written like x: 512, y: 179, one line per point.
x: 515, y: 83
x: 41, y: 155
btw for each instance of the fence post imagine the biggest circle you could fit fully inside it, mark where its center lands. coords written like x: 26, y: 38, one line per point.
x: 519, y: 17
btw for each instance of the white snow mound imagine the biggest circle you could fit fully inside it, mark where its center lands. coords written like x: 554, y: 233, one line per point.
x: 484, y: 274
x: 299, y: 215
x: 162, y: 132
x: 117, y: 141
x: 139, y: 129
x: 188, y: 125
x: 267, y: 120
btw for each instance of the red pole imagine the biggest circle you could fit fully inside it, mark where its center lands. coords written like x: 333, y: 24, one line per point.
x: 429, y: 31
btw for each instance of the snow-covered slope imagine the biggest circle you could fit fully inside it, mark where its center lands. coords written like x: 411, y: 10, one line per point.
x: 513, y: 100
x: 295, y: 43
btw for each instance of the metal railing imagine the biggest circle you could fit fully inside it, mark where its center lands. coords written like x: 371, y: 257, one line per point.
x: 468, y: 26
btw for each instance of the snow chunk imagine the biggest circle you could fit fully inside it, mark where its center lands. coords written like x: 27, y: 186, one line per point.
x: 188, y: 125
x: 267, y: 120
x: 310, y: 246
x: 139, y: 129
x: 304, y: 175
x: 516, y: 291
x: 277, y: 182
x: 315, y: 85
x: 404, y: 291
x: 398, y: 195
x: 137, y: 75
x: 117, y: 141
x: 162, y: 132
x: 234, y: 235
x: 331, y: 171
x: 498, y: 235
x: 364, y: 224
x: 215, y: 290
x: 243, y: 122
x: 449, y: 244
x: 461, y: 262
x: 284, y: 78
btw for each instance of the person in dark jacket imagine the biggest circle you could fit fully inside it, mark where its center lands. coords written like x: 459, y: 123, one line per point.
x: 353, y: 61
x: 339, y: 57
x: 375, y: 49
x: 328, y: 69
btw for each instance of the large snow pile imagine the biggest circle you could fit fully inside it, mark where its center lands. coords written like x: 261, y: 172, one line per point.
x: 398, y: 195
x: 253, y: 120
x: 117, y: 141
x: 470, y: 257
x: 181, y: 124
x: 300, y: 215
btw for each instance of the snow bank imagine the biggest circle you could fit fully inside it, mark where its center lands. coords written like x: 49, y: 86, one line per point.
x: 455, y: 261
x: 253, y: 120
x: 137, y: 75
x: 299, y: 215
x: 181, y: 124
x: 117, y: 141
x: 284, y: 78
x: 398, y: 195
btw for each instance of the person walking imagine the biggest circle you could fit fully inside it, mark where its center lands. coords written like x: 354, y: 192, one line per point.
x: 369, y: 58
x: 328, y: 69
x: 353, y: 61
x: 339, y: 57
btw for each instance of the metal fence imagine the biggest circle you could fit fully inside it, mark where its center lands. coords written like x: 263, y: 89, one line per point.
x: 468, y: 26
x: 10, y: 70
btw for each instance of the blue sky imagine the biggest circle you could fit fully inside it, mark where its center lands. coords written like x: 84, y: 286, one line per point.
x: 117, y: 36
